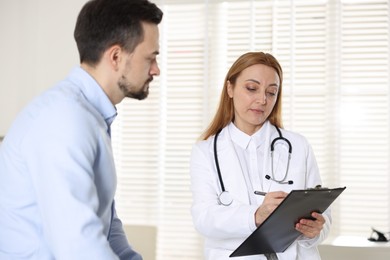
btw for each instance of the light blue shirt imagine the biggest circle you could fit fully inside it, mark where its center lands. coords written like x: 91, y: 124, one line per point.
x: 58, y: 179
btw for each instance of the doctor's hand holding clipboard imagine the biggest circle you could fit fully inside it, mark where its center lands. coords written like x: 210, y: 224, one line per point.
x: 245, y: 164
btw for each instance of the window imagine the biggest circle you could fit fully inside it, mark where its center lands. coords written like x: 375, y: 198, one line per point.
x: 335, y: 56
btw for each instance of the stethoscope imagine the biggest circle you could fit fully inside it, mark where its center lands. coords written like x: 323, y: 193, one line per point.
x: 224, y: 197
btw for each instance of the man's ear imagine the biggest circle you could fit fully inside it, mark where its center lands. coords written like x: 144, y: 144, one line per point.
x: 114, y: 56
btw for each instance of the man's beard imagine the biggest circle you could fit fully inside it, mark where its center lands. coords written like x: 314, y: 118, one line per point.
x: 129, y: 91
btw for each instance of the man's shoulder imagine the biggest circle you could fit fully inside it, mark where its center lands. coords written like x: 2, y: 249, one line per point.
x: 62, y: 107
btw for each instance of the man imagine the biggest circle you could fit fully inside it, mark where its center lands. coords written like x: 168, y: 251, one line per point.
x: 57, y: 174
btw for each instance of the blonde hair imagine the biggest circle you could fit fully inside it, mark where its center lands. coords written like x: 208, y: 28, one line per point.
x: 225, y: 111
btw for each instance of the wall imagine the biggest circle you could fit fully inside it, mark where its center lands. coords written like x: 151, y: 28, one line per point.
x: 36, y: 49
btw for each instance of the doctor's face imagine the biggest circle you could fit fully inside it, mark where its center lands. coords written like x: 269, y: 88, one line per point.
x: 254, y: 96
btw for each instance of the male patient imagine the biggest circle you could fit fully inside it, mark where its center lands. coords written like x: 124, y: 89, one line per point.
x: 57, y: 174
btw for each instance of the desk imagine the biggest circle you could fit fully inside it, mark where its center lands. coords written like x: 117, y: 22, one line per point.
x: 354, y: 248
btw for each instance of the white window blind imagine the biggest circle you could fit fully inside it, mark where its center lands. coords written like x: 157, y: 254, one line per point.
x: 335, y: 57
x: 364, y: 123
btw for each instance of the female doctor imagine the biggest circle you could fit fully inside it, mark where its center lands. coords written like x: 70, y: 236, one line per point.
x: 235, y: 182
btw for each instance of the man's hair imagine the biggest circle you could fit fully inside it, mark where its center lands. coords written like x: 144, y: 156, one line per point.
x: 104, y: 23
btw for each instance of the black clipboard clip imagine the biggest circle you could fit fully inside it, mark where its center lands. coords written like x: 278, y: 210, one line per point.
x: 318, y: 187
x: 377, y: 236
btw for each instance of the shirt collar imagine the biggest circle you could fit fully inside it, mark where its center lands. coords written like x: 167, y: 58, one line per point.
x: 242, y: 139
x: 94, y: 93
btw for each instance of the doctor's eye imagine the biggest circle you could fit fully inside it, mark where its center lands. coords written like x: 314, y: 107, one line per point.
x: 251, y: 88
x: 271, y: 93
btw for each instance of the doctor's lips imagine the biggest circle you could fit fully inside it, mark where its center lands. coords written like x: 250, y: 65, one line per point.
x: 256, y: 110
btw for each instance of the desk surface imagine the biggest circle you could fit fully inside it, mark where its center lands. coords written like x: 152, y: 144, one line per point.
x: 353, y: 241
x: 353, y: 248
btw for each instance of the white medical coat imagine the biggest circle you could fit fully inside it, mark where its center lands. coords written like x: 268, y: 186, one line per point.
x: 226, y: 227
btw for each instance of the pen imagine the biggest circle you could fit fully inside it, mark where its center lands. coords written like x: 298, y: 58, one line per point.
x: 261, y: 193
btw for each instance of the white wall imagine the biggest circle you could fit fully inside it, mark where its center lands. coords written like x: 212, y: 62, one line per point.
x: 37, y: 49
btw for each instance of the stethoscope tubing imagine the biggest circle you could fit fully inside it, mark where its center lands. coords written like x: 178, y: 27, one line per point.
x: 281, y: 138
x: 217, y: 161
x: 224, y: 197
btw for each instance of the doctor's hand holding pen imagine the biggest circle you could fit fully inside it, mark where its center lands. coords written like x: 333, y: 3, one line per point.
x: 270, y: 203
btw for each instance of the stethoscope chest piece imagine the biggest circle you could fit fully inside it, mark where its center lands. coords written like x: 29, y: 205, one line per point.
x: 225, y: 198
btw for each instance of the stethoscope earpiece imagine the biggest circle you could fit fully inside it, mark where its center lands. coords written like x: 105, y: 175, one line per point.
x: 281, y: 182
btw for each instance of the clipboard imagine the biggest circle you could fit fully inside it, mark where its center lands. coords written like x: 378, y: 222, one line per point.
x: 278, y: 232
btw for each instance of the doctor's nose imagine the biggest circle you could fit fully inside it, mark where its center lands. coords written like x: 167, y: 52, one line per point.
x: 261, y: 98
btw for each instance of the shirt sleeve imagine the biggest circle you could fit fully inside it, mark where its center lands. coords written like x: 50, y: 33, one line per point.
x: 118, y: 240
x: 60, y: 151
